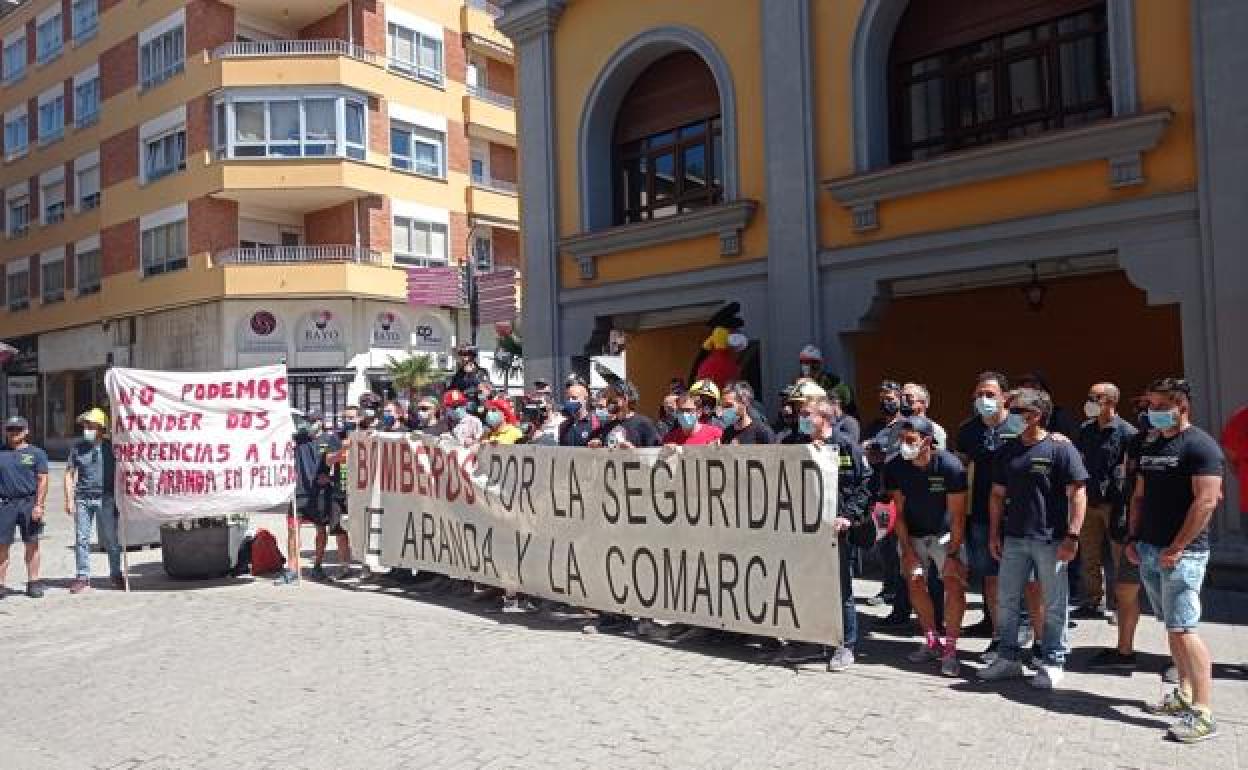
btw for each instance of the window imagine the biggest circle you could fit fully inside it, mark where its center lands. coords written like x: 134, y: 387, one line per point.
x: 18, y: 284
x: 52, y: 120
x: 413, y: 148
x: 483, y: 251
x: 415, y: 54
x: 419, y: 244
x: 52, y: 280
x: 480, y: 154
x: 290, y: 127
x: 164, y: 155
x: 1020, y: 82
x: 19, y: 216
x: 161, y: 57
x: 48, y: 42
x: 164, y: 248
x: 52, y: 198
x: 87, y: 186
x: 85, y: 18
x: 87, y: 102
x: 668, y: 141
x: 16, y: 136
x: 15, y: 60
x: 88, y: 272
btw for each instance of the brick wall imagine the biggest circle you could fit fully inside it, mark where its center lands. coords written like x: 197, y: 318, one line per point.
x: 502, y: 162
x: 330, y: 226
x: 500, y: 76
x: 119, y: 248
x: 209, y: 23
x: 212, y: 225
x: 198, y: 125
x: 458, y: 152
x: 119, y: 157
x: 378, y: 125
x: 506, y: 248
x: 370, y: 24
x: 459, y: 237
x: 119, y: 68
x: 332, y: 27
x: 375, y: 223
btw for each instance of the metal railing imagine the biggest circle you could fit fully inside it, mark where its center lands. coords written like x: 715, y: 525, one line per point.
x: 330, y: 47
x: 497, y: 185
x: 493, y: 97
x: 285, y: 255
x: 485, y: 5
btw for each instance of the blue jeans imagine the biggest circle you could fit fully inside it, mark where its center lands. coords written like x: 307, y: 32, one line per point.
x: 1020, y: 558
x: 849, y: 612
x: 104, y: 513
x: 1174, y: 593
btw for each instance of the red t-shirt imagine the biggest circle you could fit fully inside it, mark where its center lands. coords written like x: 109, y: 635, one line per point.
x: 702, y: 435
x: 1235, y: 442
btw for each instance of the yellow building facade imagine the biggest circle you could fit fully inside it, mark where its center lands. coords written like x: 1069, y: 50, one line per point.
x: 922, y: 189
x: 206, y: 184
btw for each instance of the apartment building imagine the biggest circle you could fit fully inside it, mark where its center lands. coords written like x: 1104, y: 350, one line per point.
x: 209, y: 184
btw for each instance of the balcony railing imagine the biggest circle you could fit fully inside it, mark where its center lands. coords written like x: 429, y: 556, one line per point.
x: 493, y: 97
x: 485, y: 5
x: 497, y: 185
x: 296, y: 48
x: 286, y: 255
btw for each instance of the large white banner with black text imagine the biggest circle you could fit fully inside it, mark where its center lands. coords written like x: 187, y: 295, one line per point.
x: 738, y: 538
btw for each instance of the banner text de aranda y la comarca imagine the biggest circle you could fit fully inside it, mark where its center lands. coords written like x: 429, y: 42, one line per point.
x: 191, y: 444
x: 732, y: 537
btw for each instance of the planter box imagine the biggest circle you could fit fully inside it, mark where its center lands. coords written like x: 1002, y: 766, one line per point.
x: 201, y: 553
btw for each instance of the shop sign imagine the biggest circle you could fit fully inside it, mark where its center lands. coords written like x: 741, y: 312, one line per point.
x: 430, y: 336
x: 389, y: 331
x: 23, y: 385
x: 320, y: 331
x: 261, y: 332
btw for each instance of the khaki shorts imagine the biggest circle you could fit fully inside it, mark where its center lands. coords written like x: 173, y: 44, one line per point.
x: 934, y: 550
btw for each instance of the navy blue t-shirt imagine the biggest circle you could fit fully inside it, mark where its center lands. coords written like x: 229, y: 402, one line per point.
x: 1104, y: 453
x: 1167, y: 465
x: 20, y: 470
x: 980, y: 443
x: 925, y: 505
x: 1035, y: 478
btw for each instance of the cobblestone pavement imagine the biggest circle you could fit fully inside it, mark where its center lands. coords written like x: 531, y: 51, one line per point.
x: 245, y: 674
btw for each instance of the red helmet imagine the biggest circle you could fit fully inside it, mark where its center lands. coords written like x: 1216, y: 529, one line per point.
x: 503, y: 405
x: 453, y: 398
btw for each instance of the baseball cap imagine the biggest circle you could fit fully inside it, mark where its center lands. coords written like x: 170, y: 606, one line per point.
x: 920, y: 425
x: 16, y: 422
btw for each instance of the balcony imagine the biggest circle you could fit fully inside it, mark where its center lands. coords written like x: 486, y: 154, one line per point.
x: 490, y: 121
x: 477, y: 21
x: 297, y: 184
x: 288, y: 255
x: 266, y: 48
x: 286, y: 63
x: 492, y: 97
x: 494, y: 202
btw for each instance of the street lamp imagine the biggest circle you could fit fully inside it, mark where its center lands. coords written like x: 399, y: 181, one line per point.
x: 470, y: 283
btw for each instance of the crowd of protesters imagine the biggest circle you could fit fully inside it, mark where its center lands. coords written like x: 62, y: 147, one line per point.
x: 1040, y: 513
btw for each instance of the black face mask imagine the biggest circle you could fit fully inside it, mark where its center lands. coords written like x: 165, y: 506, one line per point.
x: 889, y: 408
x: 907, y: 410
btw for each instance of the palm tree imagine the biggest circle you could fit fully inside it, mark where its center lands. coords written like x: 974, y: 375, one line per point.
x: 413, y: 374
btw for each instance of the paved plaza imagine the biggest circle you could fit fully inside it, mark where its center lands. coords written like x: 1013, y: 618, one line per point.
x: 242, y: 673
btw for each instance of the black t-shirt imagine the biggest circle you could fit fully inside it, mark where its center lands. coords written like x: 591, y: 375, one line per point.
x: 577, y: 432
x: 1104, y: 451
x: 1167, y: 466
x: 924, y: 489
x: 757, y: 432
x: 1035, y: 478
x: 637, y: 430
x: 310, y: 461
x: 980, y: 444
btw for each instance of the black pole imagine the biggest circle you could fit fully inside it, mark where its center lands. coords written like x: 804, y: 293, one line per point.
x: 470, y: 286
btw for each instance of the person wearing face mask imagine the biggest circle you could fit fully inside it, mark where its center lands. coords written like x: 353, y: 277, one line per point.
x: 667, y: 414
x: 1102, y: 441
x: 579, y: 422
x: 977, y: 443
x: 89, y: 497
x: 1037, y: 508
x: 23, y: 495
x: 691, y: 431
x: 707, y: 394
x: 845, y: 423
x: 741, y: 427
x: 916, y: 400
x: 815, y: 415
x: 315, y: 449
x: 624, y: 428
x: 465, y: 428
x: 467, y: 375
x: 427, y: 418
x: 392, y: 418
x: 882, y: 430
x: 881, y: 445
x: 928, y: 486
x: 810, y: 367
x: 500, y: 423
x: 1180, y: 484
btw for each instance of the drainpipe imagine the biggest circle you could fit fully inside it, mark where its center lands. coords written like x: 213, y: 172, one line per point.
x: 351, y: 22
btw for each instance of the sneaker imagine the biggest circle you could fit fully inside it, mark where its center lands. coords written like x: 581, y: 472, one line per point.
x: 80, y: 585
x: 318, y: 573
x: 1048, y: 677
x: 1001, y: 669
x: 344, y: 572
x: 288, y: 577
x: 117, y: 581
x: 514, y: 606
x: 949, y: 665
x: 842, y: 659
x: 924, y: 653
x: 1170, y: 673
x: 879, y: 600
x: 1194, y: 727
x: 981, y: 630
x: 990, y: 654
x: 34, y: 589
x: 1173, y: 705
x: 647, y: 628
x: 1112, y: 658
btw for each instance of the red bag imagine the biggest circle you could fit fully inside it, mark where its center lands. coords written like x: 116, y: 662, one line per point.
x: 266, y: 557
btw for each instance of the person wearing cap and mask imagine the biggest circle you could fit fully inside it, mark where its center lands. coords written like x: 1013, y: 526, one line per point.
x: 707, y: 394
x: 23, y: 495
x: 315, y: 449
x: 881, y: 432
x: 691, y: 431
x: 467, y: 375
x: 466, y: 429
x: 810, y: 367
x: 89, y: 498
x: 500, y: 423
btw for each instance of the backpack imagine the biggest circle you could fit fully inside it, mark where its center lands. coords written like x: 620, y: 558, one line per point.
x: 266, y: 557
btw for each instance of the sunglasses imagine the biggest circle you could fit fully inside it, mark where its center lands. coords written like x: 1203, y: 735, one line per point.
x: 1023, y: 412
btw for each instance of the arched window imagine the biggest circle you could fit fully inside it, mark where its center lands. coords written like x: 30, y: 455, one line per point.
x: 667, y: 143
x: 965, y: 73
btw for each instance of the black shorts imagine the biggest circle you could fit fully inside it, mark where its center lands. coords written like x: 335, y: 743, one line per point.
x: 16, y: 515
x: 323, y: 511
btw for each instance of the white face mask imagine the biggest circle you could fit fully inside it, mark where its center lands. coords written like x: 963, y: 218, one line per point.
x: 909, y: 451
x: 986, y: 407
x: 1091, y: 409
x: 89, y: 434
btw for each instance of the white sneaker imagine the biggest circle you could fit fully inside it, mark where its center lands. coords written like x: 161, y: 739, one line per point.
x: 924, y: 653
x: 1001, y: 669
x: 1048, y: 677
x: 647, y: 628
x: 841, y: 660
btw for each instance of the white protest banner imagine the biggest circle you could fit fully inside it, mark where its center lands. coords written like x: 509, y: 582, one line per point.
x: 191, y: 444
x: 732, y: 537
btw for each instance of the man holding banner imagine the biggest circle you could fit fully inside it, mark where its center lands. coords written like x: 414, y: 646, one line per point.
x: 89, y: 479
